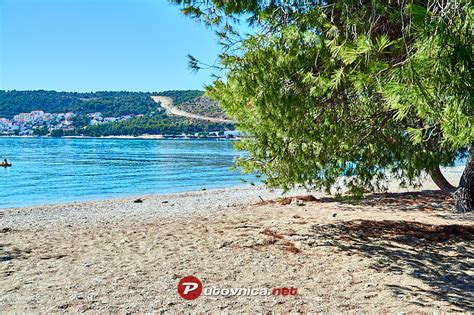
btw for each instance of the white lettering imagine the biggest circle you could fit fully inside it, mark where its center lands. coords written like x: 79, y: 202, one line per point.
x: 190, y: 287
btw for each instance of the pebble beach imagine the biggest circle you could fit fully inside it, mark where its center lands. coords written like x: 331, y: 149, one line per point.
x: 401, y: 251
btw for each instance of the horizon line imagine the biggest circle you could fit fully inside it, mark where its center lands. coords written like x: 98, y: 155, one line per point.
x: 97, y: 91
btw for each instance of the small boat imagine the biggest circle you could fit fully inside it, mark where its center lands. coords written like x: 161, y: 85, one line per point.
x: 5, y: 165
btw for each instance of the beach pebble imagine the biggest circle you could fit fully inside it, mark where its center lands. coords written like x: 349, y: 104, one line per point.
x: 297, y: 202
x: 225, y: 244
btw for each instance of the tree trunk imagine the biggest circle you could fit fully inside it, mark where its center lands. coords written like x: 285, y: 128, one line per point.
x: 464, y: 195
x: 441, y: 181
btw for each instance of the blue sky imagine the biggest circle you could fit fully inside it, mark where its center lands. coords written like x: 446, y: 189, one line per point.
x: 87, y: 45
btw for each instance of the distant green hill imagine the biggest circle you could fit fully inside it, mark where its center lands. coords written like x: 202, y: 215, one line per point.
x: 113, y: 104
x: 156, y: 123
x: 202, y: 106
x: 109, y: 103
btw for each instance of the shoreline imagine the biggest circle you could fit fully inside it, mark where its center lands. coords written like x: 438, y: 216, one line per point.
x: 122, y: 197
x: 129, y: 137
x: 121, y: 208
x: 452, y: 174
x: 168, y: 204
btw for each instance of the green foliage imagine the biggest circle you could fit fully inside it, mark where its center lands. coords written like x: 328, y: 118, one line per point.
x: 181, y: 96
x: 41, y: 131
x: 81, y: 121
x: 202, y: 106
x: 108, y: 103
x: 157, y: 123
x: 115, y: 104
x: 345, y: 93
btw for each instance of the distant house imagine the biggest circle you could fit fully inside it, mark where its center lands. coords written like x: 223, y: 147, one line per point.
x: 96, y: 116
x: 231, y: 133
x: 69, y: 116
x: 22, y: 117
x: 36, y: 114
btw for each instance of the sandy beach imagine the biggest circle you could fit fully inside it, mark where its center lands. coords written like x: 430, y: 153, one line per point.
x: 393, y: 252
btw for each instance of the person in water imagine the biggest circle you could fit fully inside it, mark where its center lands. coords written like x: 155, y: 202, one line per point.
x: 5, y: 162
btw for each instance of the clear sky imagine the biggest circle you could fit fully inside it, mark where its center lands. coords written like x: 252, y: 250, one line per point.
x: 87, y: 45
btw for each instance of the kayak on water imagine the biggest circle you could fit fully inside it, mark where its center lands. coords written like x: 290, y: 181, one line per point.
x: 5, y: 163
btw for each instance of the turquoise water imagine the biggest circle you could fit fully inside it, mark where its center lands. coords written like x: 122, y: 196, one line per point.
x: 47, y: 170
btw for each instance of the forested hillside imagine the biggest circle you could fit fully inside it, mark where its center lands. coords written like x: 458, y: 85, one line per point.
x: 157, y: 123
x: 202, y: 106
x: 106, y: 113
x: 181, y: 96
x: 108, y: 103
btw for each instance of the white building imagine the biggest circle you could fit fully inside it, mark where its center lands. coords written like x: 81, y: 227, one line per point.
x: 231, y: 133
x: 22, y: 117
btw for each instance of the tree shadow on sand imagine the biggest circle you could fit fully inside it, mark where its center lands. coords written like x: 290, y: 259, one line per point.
x: 432, y: 202
x: 7, y: 253
x: 440, y: 255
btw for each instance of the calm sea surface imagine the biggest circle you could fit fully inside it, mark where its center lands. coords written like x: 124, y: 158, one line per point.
x: 47, y: 170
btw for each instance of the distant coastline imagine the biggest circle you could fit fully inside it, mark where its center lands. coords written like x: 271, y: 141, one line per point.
x: 131, y: 137
x: 174, y: 114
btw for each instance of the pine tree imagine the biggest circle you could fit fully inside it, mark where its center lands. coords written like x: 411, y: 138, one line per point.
x: 347, y: 92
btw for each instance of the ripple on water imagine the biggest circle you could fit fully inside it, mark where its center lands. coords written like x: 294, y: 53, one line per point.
x: 47, y: 170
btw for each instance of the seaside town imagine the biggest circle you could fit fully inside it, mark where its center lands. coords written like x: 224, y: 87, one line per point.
x: 38, y: 122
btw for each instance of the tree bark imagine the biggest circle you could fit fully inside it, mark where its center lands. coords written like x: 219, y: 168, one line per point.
x: 464, y: 195
x: 441, y: 181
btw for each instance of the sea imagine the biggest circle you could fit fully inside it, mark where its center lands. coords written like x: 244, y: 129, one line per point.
x: 58, y: 170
